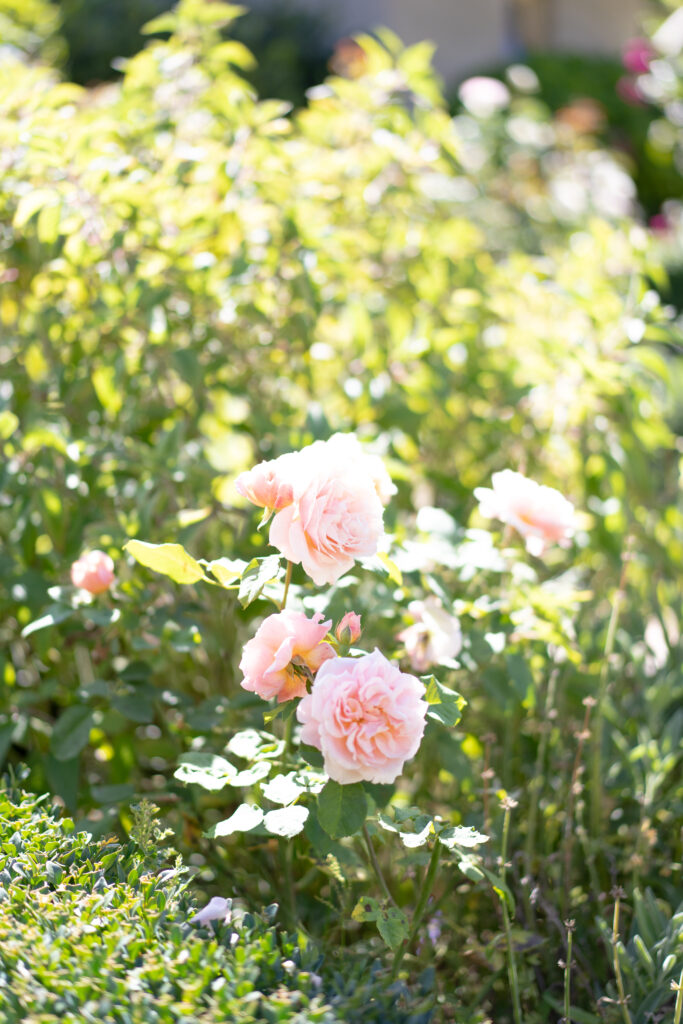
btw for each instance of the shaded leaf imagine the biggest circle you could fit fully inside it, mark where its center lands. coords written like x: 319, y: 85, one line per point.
x: 342, y: 809
x: 258, y: 573
x: 71, y: 732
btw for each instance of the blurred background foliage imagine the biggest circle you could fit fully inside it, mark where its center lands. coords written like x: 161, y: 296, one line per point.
x: 192, y: 279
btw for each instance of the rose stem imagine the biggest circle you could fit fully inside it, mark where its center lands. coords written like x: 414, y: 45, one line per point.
x: 425, y: 893
x: 288, y: 580
x: 596, y: 787
x: 512, y: 964
x: 375, y: 865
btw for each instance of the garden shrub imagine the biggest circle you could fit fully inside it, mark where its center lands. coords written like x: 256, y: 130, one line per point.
x: 93, y: 930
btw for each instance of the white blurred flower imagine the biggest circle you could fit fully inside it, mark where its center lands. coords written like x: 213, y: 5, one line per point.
x: 217, y: 909
x: 434, y: 638
x: 484, y: 96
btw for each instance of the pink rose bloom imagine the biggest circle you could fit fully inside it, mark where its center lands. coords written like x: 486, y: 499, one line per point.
x: 366, y: 716
x: 484, y: 96
x: 268, y: 485
x: 637, y: 56
x: 540, y: 514
x: 346, y: 448
x: 93, y: 571
x: 275, y: 661
x: 349, y: 629
x: 336, y: 515
x: 434, y: 638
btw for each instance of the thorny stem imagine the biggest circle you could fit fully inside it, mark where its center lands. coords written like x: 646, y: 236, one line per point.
x: 582, y: 736
x: 375, y: 865
x: 425, y: 893
x: 623, y: 1001
x: 288, y: 580
x: 598, y: 729
x: 512, y: 963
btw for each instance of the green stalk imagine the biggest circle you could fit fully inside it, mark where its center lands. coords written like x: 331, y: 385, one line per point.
x: 375, y: 865
x: 425, y: 893
x: 679, y: 1001
x: 623, y: 1002
x: 598, y: 727
x: 536, y: 783
x: 288, y: 580
x: 568, y: 976
x: 512, y: 963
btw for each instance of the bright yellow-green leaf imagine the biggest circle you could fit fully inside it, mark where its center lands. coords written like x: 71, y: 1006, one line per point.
x: 168, y: 559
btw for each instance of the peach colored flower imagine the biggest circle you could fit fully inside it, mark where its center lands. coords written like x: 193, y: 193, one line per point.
x: 270, y: 484
x: 434, y: 638
x: 349, y: 629
x: 540, y: 514
x: 346, y: 448
x: 285, y: 651
x: 93, y: 571
x: 366, y: 716
x: 336, y: 515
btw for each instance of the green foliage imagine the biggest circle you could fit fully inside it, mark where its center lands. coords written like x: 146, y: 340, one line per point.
x: 212, y: 282
x: 93, y: 930
x: 98, y: 930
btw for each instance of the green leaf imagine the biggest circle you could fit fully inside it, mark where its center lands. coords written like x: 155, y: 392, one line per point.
x: 445, y: 704
x: 380, y: 793
x: 55, y: 613
x: 576, y: 1015
x: 391, y: 922
x: 228, y: 571
x: 342, y: 809
x: 9, y: 422
x: 286, y: 821
x: 312, y: 755
x: 169, y: 559
x: 392, y: 570
x: 71, y: 732
x: 520, y: 674
x: 207, y: 770
x: 258, y: 573
x: 285, y: 789
x: 461, y: 836
x: 253, y: 774
x: 501, y: 890
x: 246, y: 817
x: 138, y: 707
x: 284, y: 710
x: 255, y: 746
x: 33, y: 201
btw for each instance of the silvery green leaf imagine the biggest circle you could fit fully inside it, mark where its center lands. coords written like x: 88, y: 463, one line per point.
x: 461, y: 836
x: 207, y: 770
x: 254, y: 746
x: 286, y: 821
x: 255, y: 773
x: 246, y: 817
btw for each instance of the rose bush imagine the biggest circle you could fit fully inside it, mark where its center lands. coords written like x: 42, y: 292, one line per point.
x: 217, y: 282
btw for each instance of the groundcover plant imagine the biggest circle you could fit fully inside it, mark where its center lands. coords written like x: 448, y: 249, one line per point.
x: 431, y: 350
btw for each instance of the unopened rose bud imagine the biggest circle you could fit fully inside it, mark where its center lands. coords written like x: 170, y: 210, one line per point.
x: 349, y: 629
